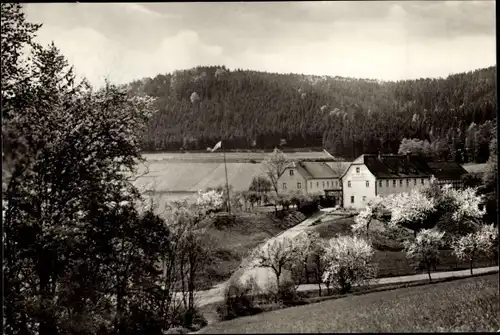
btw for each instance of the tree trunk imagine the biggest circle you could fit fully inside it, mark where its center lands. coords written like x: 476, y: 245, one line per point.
x: 306, y: 273
x: 471, y: 263
x: 429, y: 272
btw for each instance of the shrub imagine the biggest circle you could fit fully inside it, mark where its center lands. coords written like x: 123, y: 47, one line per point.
x: 238, y: 301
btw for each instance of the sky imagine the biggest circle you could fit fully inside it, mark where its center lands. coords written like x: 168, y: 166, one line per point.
x: 385, y: 40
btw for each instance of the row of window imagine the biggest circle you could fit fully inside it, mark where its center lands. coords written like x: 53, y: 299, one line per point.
x: 394, y: 182
x: 299, y: 184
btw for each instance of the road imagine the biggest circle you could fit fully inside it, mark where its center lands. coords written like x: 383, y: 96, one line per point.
x: 262, y: 276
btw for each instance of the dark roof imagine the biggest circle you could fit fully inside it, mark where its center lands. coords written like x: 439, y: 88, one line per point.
x: 447, y: 170
x: 395, y: 166
x: 315, y: 170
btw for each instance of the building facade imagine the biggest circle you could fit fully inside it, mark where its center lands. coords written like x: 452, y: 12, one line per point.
x: 371, y: 175
x: 449, y: 173
x: 311, y: 178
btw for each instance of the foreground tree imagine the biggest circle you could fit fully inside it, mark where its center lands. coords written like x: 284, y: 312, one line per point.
x: 348, y: 262
x: 424, y: 250
x: 81, y: 254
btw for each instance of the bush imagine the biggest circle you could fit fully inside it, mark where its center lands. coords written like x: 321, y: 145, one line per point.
x: 191, y: 319
x: 238, y: 301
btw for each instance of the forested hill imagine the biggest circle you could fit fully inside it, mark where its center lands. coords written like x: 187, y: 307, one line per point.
x: 250, y: 109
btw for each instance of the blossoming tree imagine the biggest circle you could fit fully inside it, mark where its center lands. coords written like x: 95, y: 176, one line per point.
x: 348, y: 261
x: 472, y: 245
x: 424, y: 249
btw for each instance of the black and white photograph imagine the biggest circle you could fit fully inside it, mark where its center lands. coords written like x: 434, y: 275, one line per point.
x: 249, y: 167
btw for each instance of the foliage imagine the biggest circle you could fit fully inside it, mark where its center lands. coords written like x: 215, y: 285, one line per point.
x: 375, y: 209
x: 481, y: 242
x: 454, y: 211
x: 348, y: 262
x: 210, y: 199
x: 424, y: 250
x: 274, y: 165
x: 278, y: 255
x: 260, y: 184
x: 238, y: 301
x: 83, y: 253
x: 347, y: 116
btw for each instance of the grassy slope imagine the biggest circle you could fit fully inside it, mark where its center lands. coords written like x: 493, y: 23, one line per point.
x: 389, y: 256
x: 461, y: 305
x: 232, y: 240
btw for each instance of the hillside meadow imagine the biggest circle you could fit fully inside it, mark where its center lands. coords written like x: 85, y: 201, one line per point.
x: 465, y: 305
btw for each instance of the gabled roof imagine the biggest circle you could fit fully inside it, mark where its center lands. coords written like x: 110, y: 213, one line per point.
x: 395, y: 166
x: 447, y: 170
x: 314, y: 170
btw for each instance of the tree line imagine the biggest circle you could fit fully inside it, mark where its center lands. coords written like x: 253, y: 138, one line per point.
x: 347, y: 116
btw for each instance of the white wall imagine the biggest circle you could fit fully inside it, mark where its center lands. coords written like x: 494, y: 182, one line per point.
x: 291, y: 181
x: 386, y: 190
x: 320, y: 185
x: 358, y: 188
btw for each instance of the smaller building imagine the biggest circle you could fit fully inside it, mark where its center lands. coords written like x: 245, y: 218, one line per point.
x: 311, y: 178
x: 448, y: 173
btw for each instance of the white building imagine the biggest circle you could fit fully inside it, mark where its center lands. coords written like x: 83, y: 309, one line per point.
x: 372, y: 175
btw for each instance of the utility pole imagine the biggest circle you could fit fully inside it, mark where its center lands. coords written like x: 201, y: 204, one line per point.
x: 227, y: 183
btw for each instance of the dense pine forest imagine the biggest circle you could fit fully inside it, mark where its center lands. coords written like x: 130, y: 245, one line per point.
x: 451, y: 118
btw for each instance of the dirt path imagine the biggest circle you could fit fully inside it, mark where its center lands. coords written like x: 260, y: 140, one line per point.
x: 247, y: 268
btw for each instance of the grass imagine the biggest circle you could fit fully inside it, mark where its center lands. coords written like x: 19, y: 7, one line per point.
x: 389, y: 254
x: 475, y: 167
x: 461, y: 305
x: 233, y: 238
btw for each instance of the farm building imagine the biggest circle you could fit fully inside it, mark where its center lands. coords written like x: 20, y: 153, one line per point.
x: 311, y: 178
x: 448, y: 173
x: 370, y: 175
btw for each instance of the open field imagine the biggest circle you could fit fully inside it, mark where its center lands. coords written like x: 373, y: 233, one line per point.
x: 464, y: 305
x: 166, y: 176
x: 189, y: 172
x: 231, y: 156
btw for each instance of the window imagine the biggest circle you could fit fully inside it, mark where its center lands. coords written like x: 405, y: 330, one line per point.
x: 357, y: 170
x: 364, y: 198
x: 367, y: 183
x: 407, y: 182
x: 317, y: 184
x: 299, y: 185
x: 415, y: 181
x: 311, y: 184
x: 349, y: 183
x: 284, y: 186
x: 352, y: 199
x: 327, y: 183
x: 291, y: 172
x: 323, y: 184
x: 401, y: 183
x: 387, y: 183
x: 380, y: 183
x: 394, y: 183
x: 422, y: 181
